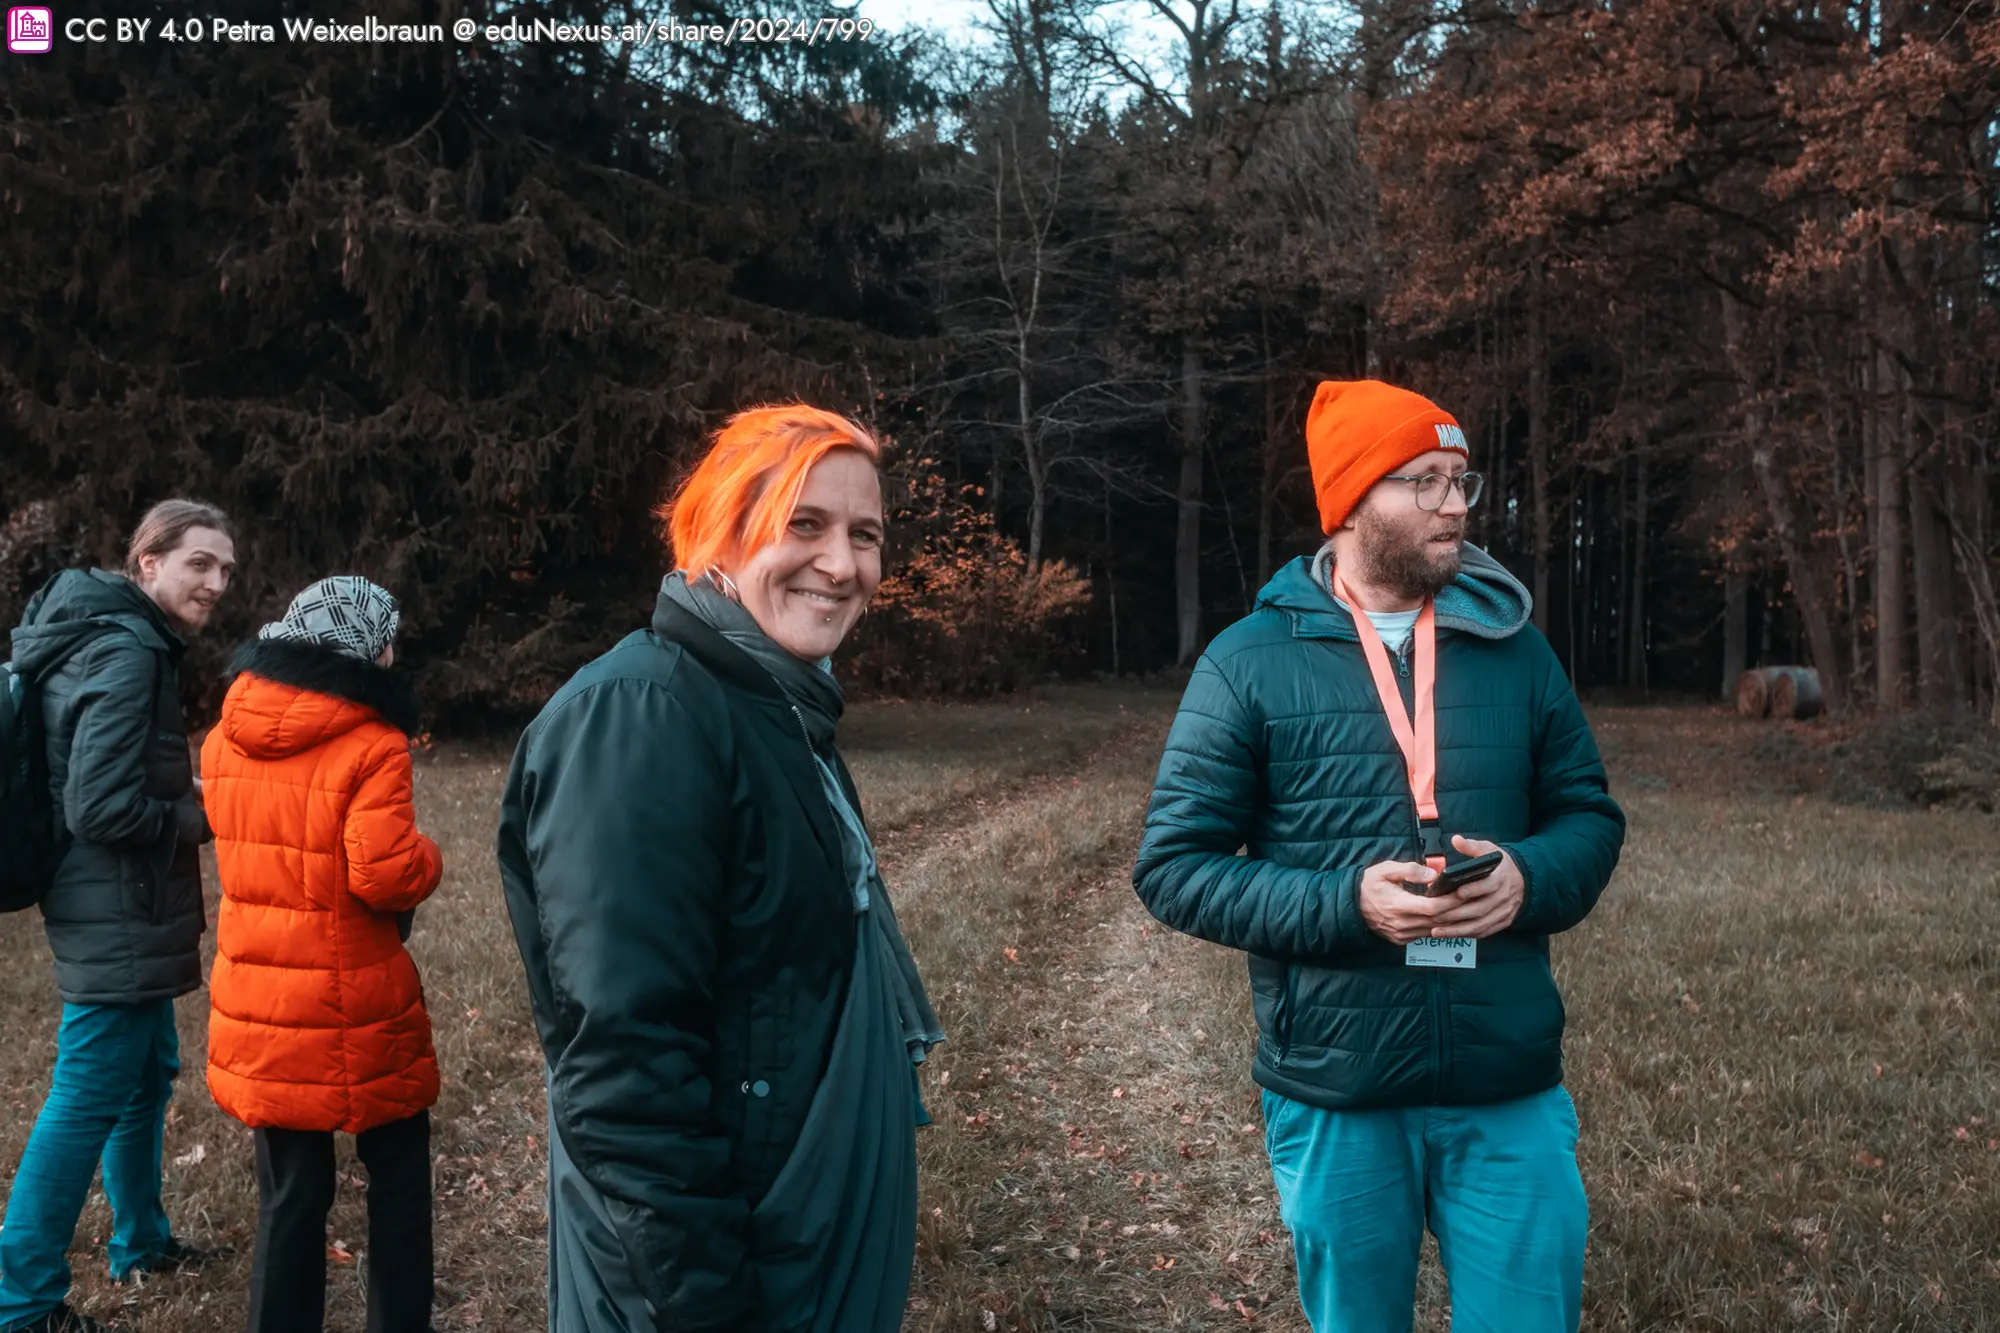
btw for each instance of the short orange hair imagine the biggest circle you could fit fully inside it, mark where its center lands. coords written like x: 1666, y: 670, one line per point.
x: 739, y: 498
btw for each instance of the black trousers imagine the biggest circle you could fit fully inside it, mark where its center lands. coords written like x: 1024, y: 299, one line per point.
x: 295, y: 1184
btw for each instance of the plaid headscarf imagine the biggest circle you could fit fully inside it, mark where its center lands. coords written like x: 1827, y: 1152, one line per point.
x: 347, y: 614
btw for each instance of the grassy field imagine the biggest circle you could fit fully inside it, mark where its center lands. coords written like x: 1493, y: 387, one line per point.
x: 1783, y: 1046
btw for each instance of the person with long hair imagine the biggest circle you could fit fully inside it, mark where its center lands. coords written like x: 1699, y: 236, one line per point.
x: 729, y: 1015
x: 124, y: 913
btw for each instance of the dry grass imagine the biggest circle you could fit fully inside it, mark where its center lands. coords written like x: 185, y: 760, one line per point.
x: 1776, y: 1048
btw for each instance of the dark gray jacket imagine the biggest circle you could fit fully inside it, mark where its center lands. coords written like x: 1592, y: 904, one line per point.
x: 125, y: 914
x: 682, y: 903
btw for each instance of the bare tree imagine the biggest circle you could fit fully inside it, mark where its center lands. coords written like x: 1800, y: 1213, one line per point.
x: 1023, y: 268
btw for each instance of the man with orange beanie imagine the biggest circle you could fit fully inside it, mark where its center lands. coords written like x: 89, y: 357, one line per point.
x: 1384, y: 716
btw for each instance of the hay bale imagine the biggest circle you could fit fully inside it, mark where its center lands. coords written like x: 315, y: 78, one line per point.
x: 1795, y: 693
x: 1753, y: 693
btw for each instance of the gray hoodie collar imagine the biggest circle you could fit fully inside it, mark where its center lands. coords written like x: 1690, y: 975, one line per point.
x: 1484, y: 600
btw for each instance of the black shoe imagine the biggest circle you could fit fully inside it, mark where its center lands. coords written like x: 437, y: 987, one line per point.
x: 175, y: 1257
x: 62, y: 1319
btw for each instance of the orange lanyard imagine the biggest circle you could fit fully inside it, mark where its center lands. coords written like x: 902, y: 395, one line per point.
x: 1416, y: 737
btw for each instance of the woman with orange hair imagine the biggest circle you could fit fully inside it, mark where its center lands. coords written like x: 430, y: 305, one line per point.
x: 730, y: 1017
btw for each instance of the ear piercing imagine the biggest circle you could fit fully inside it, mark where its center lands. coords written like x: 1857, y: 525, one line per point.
x: 724, y: 584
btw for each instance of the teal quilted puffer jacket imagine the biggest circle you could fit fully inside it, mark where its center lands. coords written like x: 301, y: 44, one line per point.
x: 1281, y: 748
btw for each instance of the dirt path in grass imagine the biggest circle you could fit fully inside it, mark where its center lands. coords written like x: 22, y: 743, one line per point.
x: 1097, y: 1161
x: 938, y: 827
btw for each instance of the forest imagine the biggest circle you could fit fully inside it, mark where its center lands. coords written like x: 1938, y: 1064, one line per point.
x: 1709, y: 283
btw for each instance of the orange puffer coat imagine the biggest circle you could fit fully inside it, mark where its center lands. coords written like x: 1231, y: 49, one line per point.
x: 317, y: 1017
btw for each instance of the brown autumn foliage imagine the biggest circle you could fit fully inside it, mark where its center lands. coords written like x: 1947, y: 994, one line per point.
x: 962, y: 611
x: 1706, y: 280
x: 1740, y: 243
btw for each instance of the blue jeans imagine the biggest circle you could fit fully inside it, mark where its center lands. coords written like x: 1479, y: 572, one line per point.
x: 115, y: 1067
x: 1497, y: 1185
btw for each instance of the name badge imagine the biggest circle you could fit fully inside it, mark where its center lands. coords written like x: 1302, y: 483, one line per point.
x: 1429, y: 952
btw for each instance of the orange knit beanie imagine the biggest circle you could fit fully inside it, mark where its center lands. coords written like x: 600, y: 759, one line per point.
x: 1359, y: 429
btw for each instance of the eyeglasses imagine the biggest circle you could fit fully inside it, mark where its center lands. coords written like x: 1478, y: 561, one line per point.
x: 1433, y: 487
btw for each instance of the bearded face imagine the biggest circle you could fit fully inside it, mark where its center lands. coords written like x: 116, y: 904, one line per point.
x: 1403, y: 549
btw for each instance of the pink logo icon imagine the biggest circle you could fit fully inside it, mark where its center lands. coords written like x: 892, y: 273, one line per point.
x: 31, y: 29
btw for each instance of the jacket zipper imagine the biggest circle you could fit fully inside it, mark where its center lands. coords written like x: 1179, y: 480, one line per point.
x: 1441, y: 1034
x: 1439, y: 1003
x: 812, y: 758
x: 1289, y: 1020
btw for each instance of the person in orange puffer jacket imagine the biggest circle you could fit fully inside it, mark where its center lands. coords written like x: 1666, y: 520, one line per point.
x: 317, y: 1019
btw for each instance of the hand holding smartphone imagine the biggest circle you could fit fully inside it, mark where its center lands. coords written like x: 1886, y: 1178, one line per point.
x: 1453, y: 878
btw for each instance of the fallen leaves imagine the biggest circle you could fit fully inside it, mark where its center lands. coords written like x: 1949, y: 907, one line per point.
x: 1240, y: 1305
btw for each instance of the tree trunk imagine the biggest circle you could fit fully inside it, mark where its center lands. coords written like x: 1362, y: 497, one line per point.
x: 1891, y: 591
x: 1931, y: 571
x: 1850, y: 568
x: 1267, y: 473
x: 1111, y: 578
x: 1583, y: 596
x: 1968, y: 516
x: 1538, y: 442
x: 1635, y: 624
x: 1187, y: 538
x: 1808, y: 586
x: 1735, y: 628
x: 1229, y: 529
x: 1871, y: 500
x: 1576, y: 669
x: 1766, y: 617
x: 999, y: 471
x: 1031, y: 454
x: 1985, y: 611
x: 1621, y: 583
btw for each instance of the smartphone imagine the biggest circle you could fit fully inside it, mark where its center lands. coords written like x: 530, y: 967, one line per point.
x: 1454, y: 877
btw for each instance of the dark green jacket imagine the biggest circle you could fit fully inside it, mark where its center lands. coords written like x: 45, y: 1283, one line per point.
x: 680, y: 899
x: 124, y: 916
x: 1281, y: 747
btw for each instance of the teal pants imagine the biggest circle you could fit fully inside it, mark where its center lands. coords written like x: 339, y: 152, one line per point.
x: 107, y: 1102
x: 1497, y: 1185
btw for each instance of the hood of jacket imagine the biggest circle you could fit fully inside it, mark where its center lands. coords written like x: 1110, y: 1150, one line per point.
x: 291, y: 697
x: 78, y: 603
x: 1484, y: 599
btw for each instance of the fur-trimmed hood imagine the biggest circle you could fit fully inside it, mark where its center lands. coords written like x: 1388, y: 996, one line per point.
x: 289, y: 697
